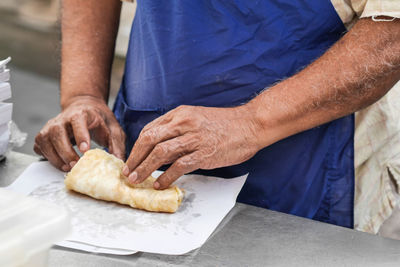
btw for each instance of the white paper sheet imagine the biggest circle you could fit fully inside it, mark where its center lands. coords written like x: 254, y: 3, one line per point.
x: 110, y: 227
x: 94, y: 249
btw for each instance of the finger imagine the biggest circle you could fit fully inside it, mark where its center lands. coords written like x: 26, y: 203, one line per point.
x: 145, y: 144
x: 61, y: 143
x: 186, y: 164
x: 79, y: 126
x: 50, y: 153
x: 163, y: 153
x: 101, y: 133
x: 117, y: 146
x: 37, y: 150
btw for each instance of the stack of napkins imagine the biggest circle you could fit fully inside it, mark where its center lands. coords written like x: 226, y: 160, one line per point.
x: 5, y: 108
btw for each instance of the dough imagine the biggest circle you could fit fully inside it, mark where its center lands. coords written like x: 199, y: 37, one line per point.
x: 99, y: 174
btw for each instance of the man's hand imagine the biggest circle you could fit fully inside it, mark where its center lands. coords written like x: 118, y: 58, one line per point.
x: 89, y: 29
x: 84, y: 118
x: 191, y: 138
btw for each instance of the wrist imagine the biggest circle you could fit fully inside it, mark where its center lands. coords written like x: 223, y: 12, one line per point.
x: 267, y: 118
x: 256, y: 128
x: 81, y: 99
x: 78, y: 89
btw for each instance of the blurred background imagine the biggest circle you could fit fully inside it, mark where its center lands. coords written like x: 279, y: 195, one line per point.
x: 30, y: 34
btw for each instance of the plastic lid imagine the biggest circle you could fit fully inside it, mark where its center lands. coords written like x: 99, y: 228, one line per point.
x: 28, y: 226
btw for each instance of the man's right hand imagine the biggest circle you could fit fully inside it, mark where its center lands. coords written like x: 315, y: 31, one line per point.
x: 84, y: 118
x: 88, y: 32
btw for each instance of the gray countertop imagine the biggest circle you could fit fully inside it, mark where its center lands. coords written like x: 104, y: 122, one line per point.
x: 248, y: 236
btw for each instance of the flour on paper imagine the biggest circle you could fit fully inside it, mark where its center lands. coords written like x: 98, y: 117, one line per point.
x: 91, y: 217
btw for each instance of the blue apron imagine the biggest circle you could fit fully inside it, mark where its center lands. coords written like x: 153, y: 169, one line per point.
x: 222, y: 53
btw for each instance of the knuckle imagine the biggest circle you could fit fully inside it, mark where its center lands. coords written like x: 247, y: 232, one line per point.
x: 53, y: 120
x: 188, y: 162
x: 56, y: 127
x: 185, y: 119
x: 179, y: 108
x: 196, y: 139
x: 39, y: 138
x: 146, y: 138
x: 195, y: 123
x: 55, y: 132
x: 187, y: 116
x: 181, y: 164
x: 146, y: 127
x: 183, y: 107
x: 176, y: 146
x: 75, y: 118
x: 160, y: 151
x: 181, y: 147
x: 82, y: 110
x: 181, y: 111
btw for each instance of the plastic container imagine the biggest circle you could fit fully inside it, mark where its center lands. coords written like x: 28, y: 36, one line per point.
x: 28, y: 228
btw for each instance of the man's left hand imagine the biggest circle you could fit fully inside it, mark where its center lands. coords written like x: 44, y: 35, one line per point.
x: 191, y: 138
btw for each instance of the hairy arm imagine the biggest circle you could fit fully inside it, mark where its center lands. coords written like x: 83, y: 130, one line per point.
x: 89, y: 30
x: 354, y: 73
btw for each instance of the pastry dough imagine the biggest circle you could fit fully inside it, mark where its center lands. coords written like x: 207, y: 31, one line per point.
x: 99, y: 174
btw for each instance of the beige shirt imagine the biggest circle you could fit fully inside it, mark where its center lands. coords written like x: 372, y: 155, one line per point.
x: 377, y: 162
x: 351, y: 10
x: 377, y: 134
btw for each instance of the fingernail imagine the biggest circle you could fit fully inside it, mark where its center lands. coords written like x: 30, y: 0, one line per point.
x: 132, y: 177
x: 72, y: 164
x: 156, y: 185
x: 83, y: 146
x: 125, y: 170
x: 65, y: 168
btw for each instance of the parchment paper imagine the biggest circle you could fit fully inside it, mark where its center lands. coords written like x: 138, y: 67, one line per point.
x: 106, y: 227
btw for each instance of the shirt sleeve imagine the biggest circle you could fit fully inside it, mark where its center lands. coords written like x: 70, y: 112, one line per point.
x: 350, y: 11
x: 374, y: 8
x: 377, y: 162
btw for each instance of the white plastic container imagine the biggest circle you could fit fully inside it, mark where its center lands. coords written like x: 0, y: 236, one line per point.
x: 28, y: 228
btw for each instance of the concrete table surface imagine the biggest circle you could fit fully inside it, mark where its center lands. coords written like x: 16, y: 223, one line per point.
x: 248, y: 236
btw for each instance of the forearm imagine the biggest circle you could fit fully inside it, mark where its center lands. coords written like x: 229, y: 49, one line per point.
x: 354, y: 73
x: 89, y: 29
